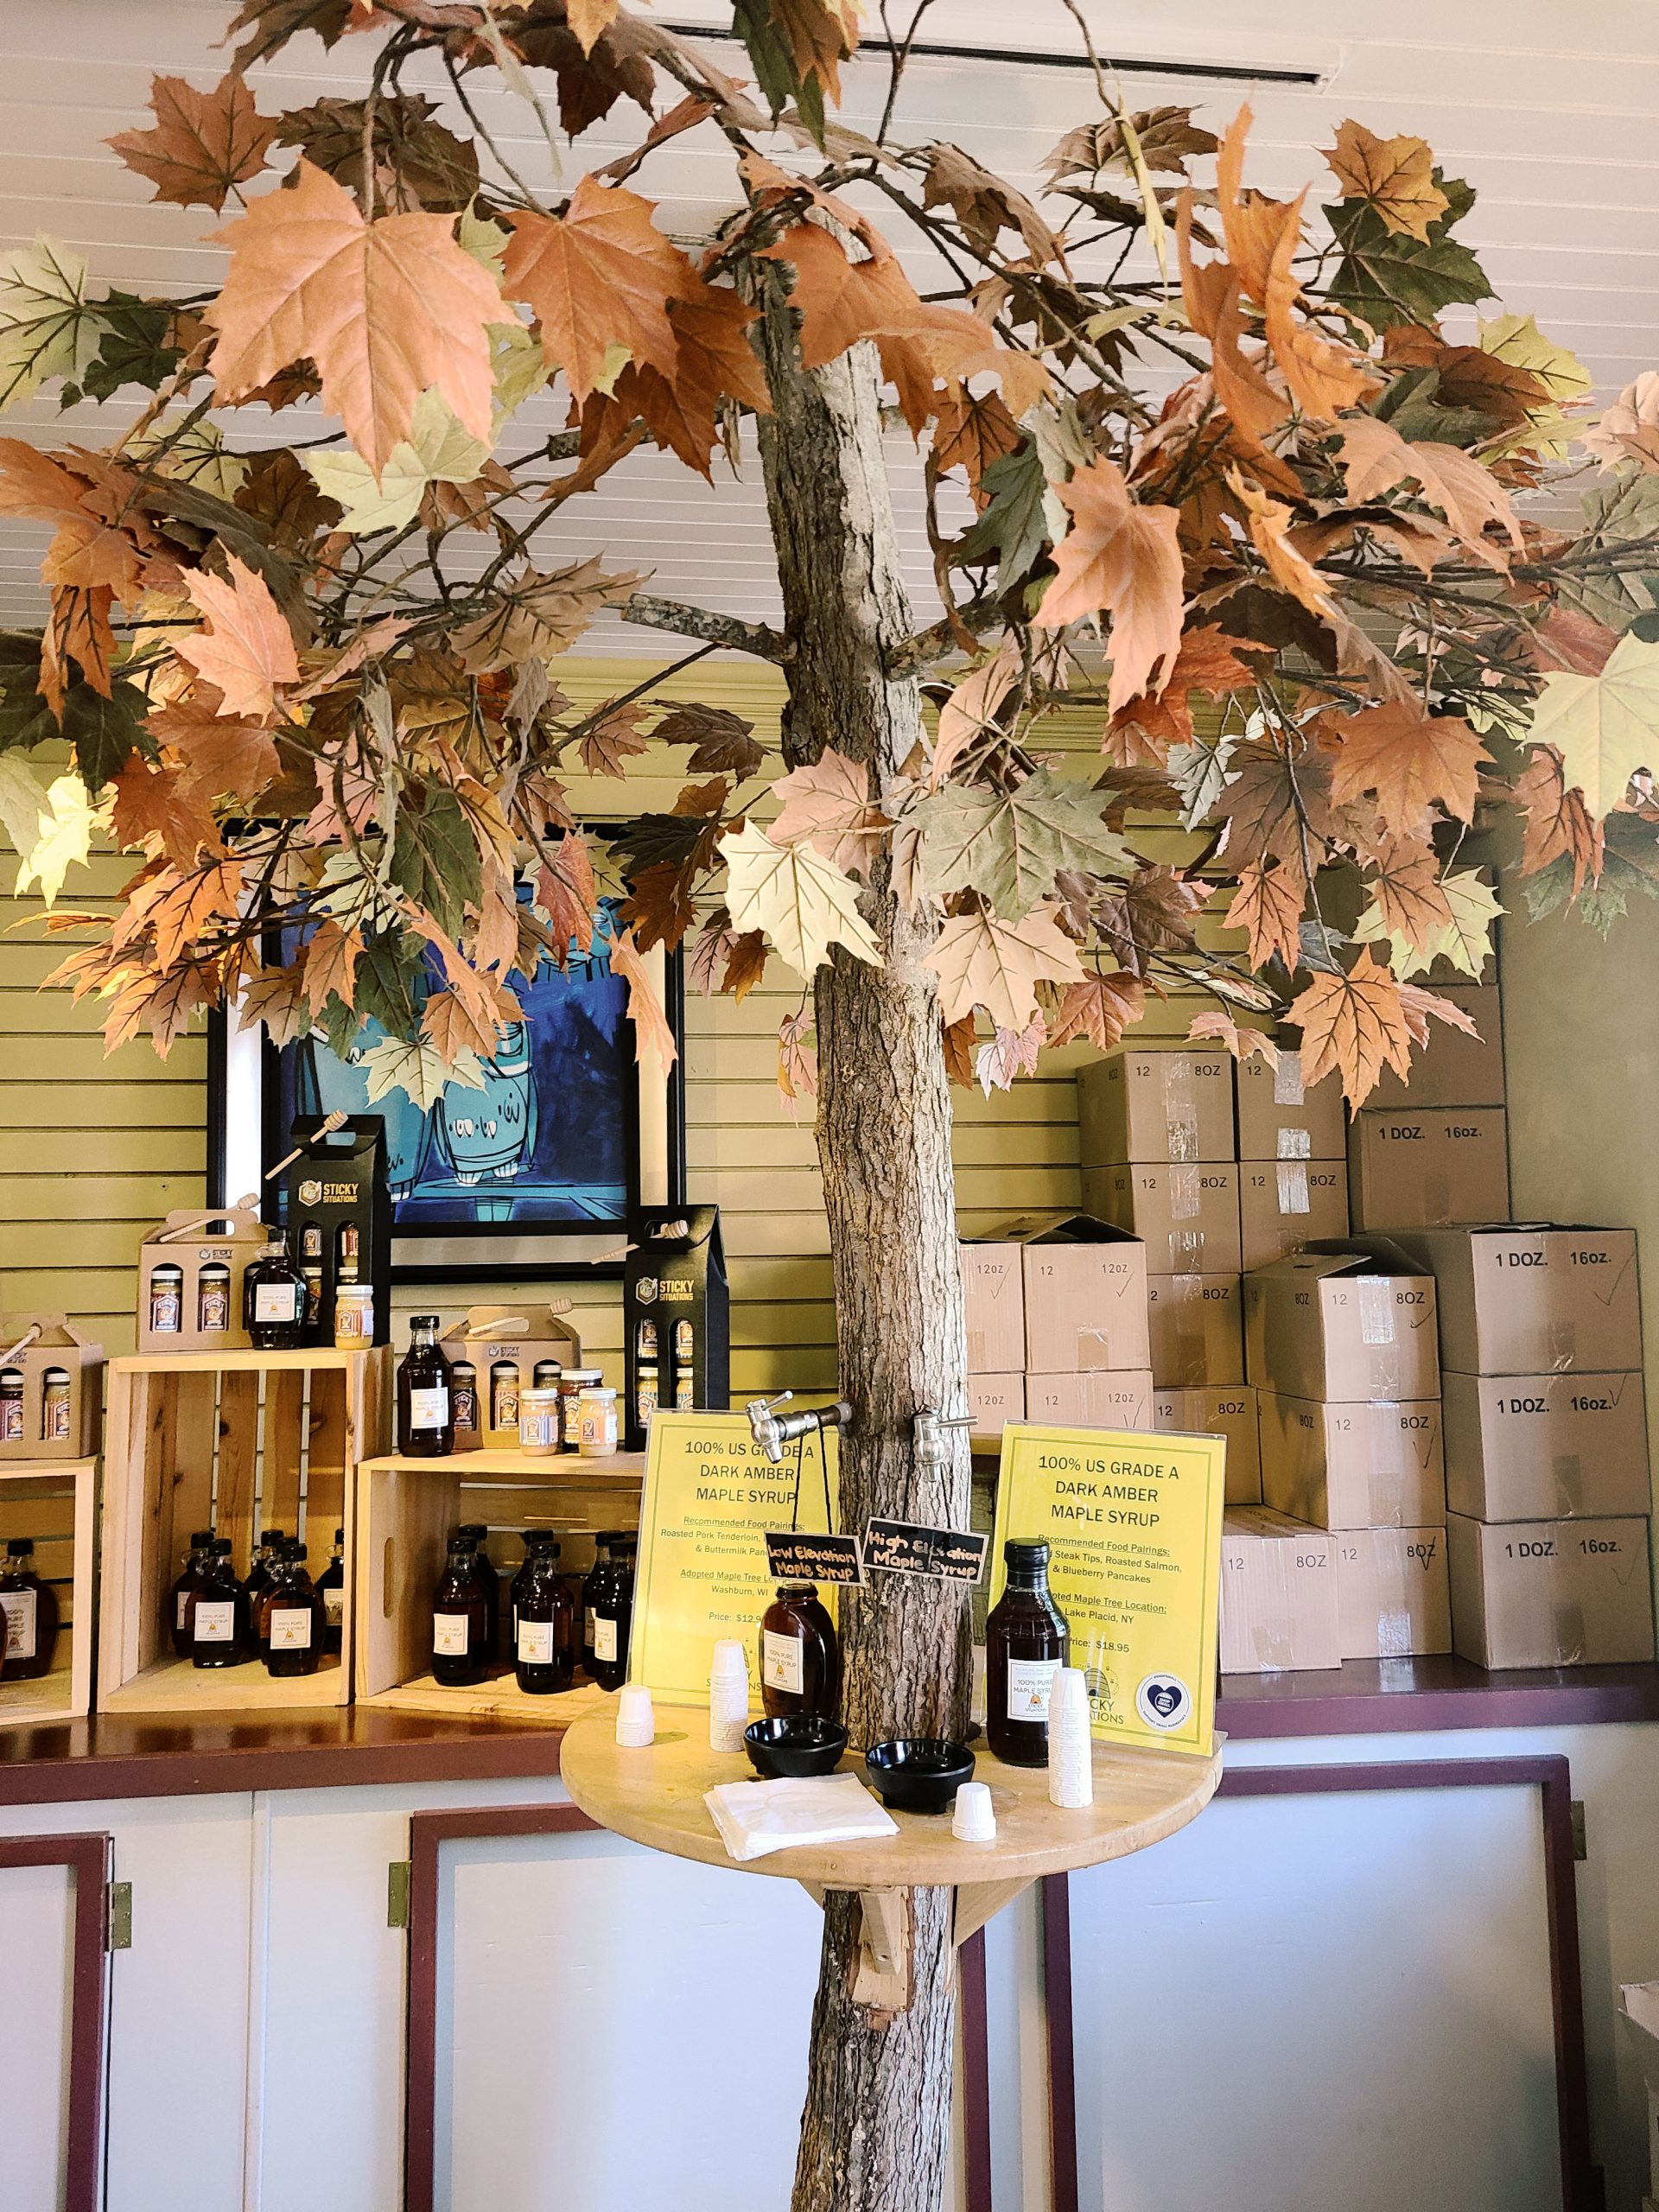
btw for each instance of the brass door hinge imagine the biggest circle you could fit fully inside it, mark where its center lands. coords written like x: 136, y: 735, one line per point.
x: 397, y: 1893
x: 1581, y: 1839
x: 117, y: 1916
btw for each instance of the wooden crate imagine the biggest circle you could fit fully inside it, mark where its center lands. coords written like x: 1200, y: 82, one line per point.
x: 55, y: 1501
x: 240, y: 1442
x: 406, y: 1509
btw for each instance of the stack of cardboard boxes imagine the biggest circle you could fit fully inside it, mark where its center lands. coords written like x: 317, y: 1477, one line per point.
x: 1341, y: 1347
x: 1546, y: 1442
x: 1056, y: 1309
x: 1437, y: 1151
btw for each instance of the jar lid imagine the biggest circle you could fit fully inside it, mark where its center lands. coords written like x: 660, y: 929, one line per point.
x: 361, y: 1292
x: 582, y: 1376
x: 542, y: 1394
x: 593, y: 1391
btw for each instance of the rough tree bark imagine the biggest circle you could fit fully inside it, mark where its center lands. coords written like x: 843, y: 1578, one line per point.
x: 875, y: 2130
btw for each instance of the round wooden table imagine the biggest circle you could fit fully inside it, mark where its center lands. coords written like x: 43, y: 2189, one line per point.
x: 655, y: 1796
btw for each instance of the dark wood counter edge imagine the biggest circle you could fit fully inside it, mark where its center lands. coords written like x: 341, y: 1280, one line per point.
x: 115, y: 1756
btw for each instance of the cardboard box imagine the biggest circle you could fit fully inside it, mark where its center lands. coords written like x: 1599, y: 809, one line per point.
x: 1545, y: 1447
x: 1638, y: 2002
x: 994, y: 1400
x: 338, y: 1210
x: 516, y: 1336
x: 674, y: 1289
x: 1226, y: 1413
x: 1393, y: 1592
x: 1198, y: 1335
x: 1454, y: 1069
x: 1409, y: 1168
x: 1084, y: 1288
x: 1185, y: 1212
x: 1278, y: 1594
x: 993, y: 1307
x: 1118, y: 1398
x: 1550, y: 1593
x: 1155, y: 1105
x: 1353, y: 1320
x: 1285, y: 1203
x: 1279, y: 1119
x: 33, y: 1343
x: 190, y: 1242
x: 1533, y: 1298
x: 1359, y: 1466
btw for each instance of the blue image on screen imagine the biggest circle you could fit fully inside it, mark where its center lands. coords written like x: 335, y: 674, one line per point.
x: 547, y: 1138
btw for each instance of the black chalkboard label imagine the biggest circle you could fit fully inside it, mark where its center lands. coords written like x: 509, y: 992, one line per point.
x: 901, y: 1548
x: 795, y: 1556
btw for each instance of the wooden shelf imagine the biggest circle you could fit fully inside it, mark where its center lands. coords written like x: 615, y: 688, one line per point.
x: 623, y: 1471
x: 237, y: 1362
x: 500, y: 1699
x: 655, y: 1796
x: 179, y: 1688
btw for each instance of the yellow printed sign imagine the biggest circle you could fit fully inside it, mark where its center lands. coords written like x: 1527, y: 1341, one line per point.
x: 1133, y: 1523
x: 710, y: 1495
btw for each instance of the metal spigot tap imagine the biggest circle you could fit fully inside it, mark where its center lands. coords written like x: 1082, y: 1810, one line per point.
x: 773, y: 1430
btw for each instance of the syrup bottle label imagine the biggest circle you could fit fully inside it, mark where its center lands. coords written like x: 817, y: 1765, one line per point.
x: 535, y: 1643
x: 1031, y: 1682
x: 215, y: 1621
x: 277, y: 1301
x: 18, y: 1605
x: 334, y: 1604
x: 290, y: 1628
x: 430, y: 1408
x: 605, y: 1640
x: 449, y: 1635
x: 783, y: 1662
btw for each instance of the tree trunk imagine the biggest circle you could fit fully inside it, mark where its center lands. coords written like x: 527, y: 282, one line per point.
x: 876, y: 2126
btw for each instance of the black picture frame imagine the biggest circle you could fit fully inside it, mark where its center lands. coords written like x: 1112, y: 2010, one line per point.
x: 246, y: 1121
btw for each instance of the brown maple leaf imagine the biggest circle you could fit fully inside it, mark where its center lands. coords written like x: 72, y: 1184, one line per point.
x: 234, y: 759
x: 1098, y: 1010
x: 1407, y: 761
x: 1356, y: 1024
x: 1276, y: 802
x: 660, y: 906
x: 798, y: 1060
x: 1558, y: 825
x: 1122, y: 557
x: 1010, y: 1052
x: 385, y: 310
x: 970, y: 433
x: 827, y: 804
x: 612, y: 735
x: 331, y: 956
x: 566, y: 890
x: 652, y: 1031
x: 277, y: 997
x: 983, y: 203
x: 746, y: 963
x: 1324, y: 377
x: 1151, y: 913
x: 960, y: 1038
x: 204, y: 143
x: 1268, y: 904
x: 1208, y: 663
x: 723, y: 742
x: 1406, y: 885
x: 599, y: 279
x: 1394, y: 176
x: 539, y: 615
x: 1376, y: 459
x: 164, y: 812
x: 1214, y: 1025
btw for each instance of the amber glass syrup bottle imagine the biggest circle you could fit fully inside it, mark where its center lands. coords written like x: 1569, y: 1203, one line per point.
x: 460, y: 1650
x: 426, y: 1401
x: 31, y: 1610
x: 219, y: 1616
x: 331, y: 1588
x: 800, y: 1655
x: 614, y: 1616
x: 292, y: 1617
x: 179, y: 1598
x: 1026, y: 1643
x: 544, y: 1621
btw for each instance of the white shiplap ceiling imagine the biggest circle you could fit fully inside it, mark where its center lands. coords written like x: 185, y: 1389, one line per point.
x: 1551, y: 113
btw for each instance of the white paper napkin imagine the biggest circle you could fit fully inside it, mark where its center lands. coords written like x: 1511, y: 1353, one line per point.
x: 756, y: 1817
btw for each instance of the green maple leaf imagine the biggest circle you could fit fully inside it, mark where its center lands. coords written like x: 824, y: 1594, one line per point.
x: 1604, y: 727
x: 101, y: 732
x: 1010, y: 846
x: 1389, y: 278
x: 132, y: 348
x: 1013, y: 529
x: 434, y: 856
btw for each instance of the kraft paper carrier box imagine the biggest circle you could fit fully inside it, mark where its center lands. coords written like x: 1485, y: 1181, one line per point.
x: 1547, y: 1453
x: 502, y: 1337
x: 61, y: 1423
x: 674, y: 1300
x: 1061, y: 1298
x: 337, y: 1214
x: 1341, y: 1344
x: 177, y: 1310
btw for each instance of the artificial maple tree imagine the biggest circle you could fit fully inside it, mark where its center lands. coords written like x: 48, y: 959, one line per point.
x: 1199, y: 464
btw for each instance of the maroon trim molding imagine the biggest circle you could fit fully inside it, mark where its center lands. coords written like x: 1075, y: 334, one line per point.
x: 87, y: 1858
x: 1548, y: 1774
x: 975, y: 2074
x: 1379, y: 1697
x: 430, y: 1832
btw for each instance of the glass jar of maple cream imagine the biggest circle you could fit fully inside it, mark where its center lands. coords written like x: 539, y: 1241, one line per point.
x: 596, y: 1423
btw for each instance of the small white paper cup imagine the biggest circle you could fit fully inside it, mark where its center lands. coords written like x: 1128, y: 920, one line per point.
x: 972, y: 1818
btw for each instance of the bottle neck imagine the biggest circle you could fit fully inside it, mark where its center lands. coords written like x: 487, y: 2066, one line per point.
x: 1031, y: 1582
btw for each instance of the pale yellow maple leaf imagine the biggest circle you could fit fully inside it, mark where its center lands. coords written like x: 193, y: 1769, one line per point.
x: 803, y: 902
x: 68, y: 818
x: 1465, y: 940
x: 1604, y: 727
x: 981, y: 960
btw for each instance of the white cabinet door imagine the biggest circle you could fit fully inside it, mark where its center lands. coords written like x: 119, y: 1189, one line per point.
x: 37, y: 1915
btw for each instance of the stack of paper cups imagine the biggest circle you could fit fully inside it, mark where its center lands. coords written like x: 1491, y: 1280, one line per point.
x: 972, y: 1818
x: 1071, y: 1758
x: 636, y: 1724
x: 728, y: 1696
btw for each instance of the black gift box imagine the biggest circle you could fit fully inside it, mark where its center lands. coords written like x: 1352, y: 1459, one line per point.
x: 339, y: 1181
x: 675, y: 1281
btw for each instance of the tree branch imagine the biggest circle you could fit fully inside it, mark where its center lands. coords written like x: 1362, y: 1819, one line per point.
x: 976, y: 614
x: 752, y: 637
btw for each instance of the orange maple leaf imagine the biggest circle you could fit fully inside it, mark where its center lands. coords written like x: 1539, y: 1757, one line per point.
x: 204, y: 143
x: 599, y: 278
x: 249, y: 650
x: 166, y: 806
x: 1558, y: 823
x: 1123, y: 555
x: 650, y: 1024
x: 1405, y: 760
x: 386, y: 310
x: 1324, y: 378
x: 1098, y: 1009
x: 1268, y: 904
x: 1207, y: 662
x: 1357, y: 1024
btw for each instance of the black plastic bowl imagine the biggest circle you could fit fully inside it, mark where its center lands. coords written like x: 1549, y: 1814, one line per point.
x: 796, y: 1743
x: 918, y: 1774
